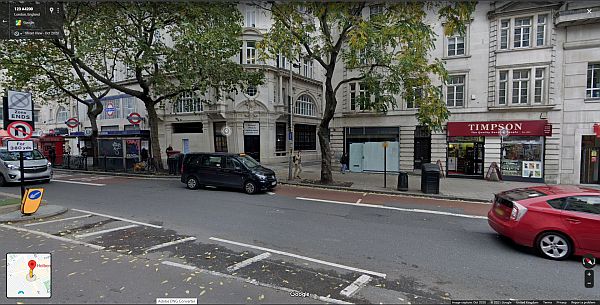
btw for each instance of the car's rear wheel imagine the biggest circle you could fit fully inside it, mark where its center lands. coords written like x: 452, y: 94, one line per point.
x: 554, y: 245
x: 192, y: 183
x: 250, y: 187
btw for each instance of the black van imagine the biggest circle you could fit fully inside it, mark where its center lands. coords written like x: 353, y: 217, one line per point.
x: 226, y: 170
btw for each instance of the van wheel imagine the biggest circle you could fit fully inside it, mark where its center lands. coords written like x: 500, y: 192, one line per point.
x: 192, y: 183
x: 554, y: 245
x: 250, y: 187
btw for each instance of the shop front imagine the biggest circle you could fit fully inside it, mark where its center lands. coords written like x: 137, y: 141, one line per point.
x: 516, y: 146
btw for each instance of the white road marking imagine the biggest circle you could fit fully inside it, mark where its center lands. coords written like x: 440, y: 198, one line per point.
x: 175, y: 242
x: 56, y: 220
x: 359, y: 200
x: 394, y: 208
x: 63, y: 239
x: 270, y: 193
x: 105, y: 231
x: 79, y: 182
x: 310, y: 259
x: 365, y: 194
x: 360, y: 282
x: 252, y: 282
x: 119, y: 218
x: 249, y: 261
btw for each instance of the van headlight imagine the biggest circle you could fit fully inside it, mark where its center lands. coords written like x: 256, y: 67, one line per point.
x: 261, y: 177
x: 49, y: 164
x: 10, y: 166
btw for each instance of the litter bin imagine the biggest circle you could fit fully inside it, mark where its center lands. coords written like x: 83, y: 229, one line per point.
x: 174, y: 163
x: 403, y: 181
x: 430, y: 178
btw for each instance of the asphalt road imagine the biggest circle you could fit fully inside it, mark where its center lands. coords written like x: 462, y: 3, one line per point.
x: 426, y: 257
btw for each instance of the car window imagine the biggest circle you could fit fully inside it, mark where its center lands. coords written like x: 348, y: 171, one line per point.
x: 558, y: 203
x: 14, y: 156
x: 212, y: 161
x: 233, y: 164
x: 194, y: 159
x: 249, y: 161
x: 586, y: 204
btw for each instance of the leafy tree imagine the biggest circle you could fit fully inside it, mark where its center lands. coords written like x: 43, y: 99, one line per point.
x: 389, y: 52
x: 50, y: 72
x: 171, y: 48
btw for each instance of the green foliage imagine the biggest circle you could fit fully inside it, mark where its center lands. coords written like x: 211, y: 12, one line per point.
x: 388, y: 52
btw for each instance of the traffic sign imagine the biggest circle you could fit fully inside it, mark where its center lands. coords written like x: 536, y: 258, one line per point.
x: 134, y: 118
x: 18, y: 106
x: 72, y: 122
x: 19, y: 130
x: 110, y: 109
x: 31, y: 201
x: 19, y: 146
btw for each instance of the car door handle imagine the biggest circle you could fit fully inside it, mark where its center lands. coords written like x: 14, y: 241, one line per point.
x: 573, y: 220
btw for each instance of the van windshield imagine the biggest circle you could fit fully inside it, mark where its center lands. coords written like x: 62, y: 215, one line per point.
x: 249, y: 162
x: 5, y: 155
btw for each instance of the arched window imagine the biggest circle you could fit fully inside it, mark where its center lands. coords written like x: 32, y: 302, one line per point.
x: 62, y: 115
x: 305, y: 106
x: 188, y: 102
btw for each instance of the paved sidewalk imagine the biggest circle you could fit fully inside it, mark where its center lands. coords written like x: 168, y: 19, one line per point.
x: 450, y: 188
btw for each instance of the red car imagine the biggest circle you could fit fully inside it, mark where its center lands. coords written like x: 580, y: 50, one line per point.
x: 558, y: 221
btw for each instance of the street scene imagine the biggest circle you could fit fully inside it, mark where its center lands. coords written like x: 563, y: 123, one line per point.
x: 331, y: 152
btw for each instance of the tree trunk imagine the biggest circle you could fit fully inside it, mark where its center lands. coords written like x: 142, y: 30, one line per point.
x: 155, y: 142
x: 323, y: 132
x: 93, y: 111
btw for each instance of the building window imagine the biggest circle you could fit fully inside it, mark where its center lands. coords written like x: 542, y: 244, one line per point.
x: 36, y: 116
x: 62, y: 115
x: 250, y: 20
x: 188, y: 102
x: 251, y: 52
x: 129, y: 106
x: 455, y: 91
x: 305, y: 106
x: 411, y: 102
x: 520, y: 86
x: 282, y: 62
x: 541, y: 30
x: 219, y: 138
x: 195, y: 127
x: 593, y: 81
x: 305, y: 137
x: 456, y: 45
x: 251, y: 91
x: 357, y: 91
x: 307, y: 65
x: 280, y: 138
x: 503, y: 84
x: 504, y: 28
x: 522, y: 32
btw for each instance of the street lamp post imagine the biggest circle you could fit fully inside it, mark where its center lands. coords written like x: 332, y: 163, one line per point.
x: 291, y: 121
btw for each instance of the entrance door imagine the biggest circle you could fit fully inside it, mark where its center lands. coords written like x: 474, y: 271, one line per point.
x: 422, y: 146
x: 252, y: 139
x: 590, y: 165
x: 356, y: 157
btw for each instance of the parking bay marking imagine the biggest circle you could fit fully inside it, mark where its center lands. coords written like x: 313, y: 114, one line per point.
x: 79, y: 182
x: 394, y: 208
x: 57, y: 220
x: 360, y: 282
x: 167, y: 244
x: 105, y: 231
x: 253, y: 282
x: 63, y: 239
x: 249, y: 261
x: 310, y: 259
x: 120, y: 218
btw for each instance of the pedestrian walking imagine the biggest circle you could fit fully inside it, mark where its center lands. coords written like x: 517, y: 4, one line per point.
x: 144, y: 154
x: 169, y: 149
x: 344, y: 162
x: 297, y: 159
x: 52, y: 155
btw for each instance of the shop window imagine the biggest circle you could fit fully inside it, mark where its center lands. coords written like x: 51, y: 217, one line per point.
x: 593, y: 81
x: 195, y: 127
x: 522, y: 157
x: 465, y: 156
x: 280, y: 138
x: 305, y: 137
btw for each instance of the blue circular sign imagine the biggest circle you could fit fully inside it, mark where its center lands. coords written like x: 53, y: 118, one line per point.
x: 35, y: 195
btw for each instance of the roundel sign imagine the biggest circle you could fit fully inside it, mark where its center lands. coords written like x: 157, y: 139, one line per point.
x: 19, y: 130
x: 72, y: 122
x: 110, y: 109
x: 134, y: 118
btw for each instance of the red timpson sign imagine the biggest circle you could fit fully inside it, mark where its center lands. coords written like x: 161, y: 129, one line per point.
x: 491, y: 129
